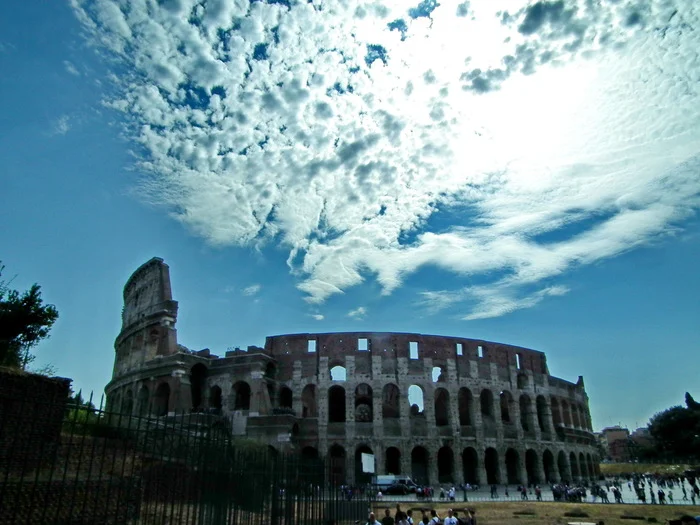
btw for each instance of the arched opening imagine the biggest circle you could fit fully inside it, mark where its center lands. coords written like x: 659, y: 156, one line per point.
x: 363, y: 403
x: 556, y: 412
x: 531, y: 467
x: 162, y: 401
x: 550, y: 474
x: 241, y: 394
x: 575, y: 422
x: 419, y: 465
x: 442, y: 408
x: 115, y: 402
x: 142, y: 401
x: 541, y: 403
x: 591, y: 469
x: 336, y: 404
x: 309, y: 454
x: 336, y: 456
x: 506, y: 400
x: 362, y: 477
x: 198, y: 375
x: 486, y: 400
x: 308, y: 401
x: 491, y: 465
x: 563, y: 466
x: 583, y: 466
x: 512, y: 466
x: 285, y: 397
x: 465, y: 402
x: 390, y: 401
x: 215, y: 400
x: 128, y: 403
x: 573, y: 465
x: 392, y: 463
x: 526, y: 413
x: 445, y: 464
x: 270, y: 371
x: 566, y: 412
x: 415, y: 400
x: 439, y: 375
x: 338, y: 373
x: 470, y: 461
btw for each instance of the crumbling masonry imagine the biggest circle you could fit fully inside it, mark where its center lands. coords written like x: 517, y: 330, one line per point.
x: 441, y: 409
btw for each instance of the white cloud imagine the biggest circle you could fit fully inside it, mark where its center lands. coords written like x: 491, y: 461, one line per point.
x: 317, y: 317
x: 358, y: 313
x: 61, y: 125
x: 548, y: 141
x: 251, y: 290
x: 70, y: 67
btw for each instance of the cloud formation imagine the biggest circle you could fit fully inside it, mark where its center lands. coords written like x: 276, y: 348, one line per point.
x: 358, y: 313
x: 251, y: 290
x: 374, y: 138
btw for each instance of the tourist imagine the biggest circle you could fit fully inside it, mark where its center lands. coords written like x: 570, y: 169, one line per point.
x: 450, y: 519
x: 387, y: 519
x: 434, y: 518
x: 372, y: 520
x: 409, y: 516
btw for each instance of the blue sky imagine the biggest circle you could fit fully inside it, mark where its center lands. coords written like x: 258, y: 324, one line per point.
x: 538, y: 187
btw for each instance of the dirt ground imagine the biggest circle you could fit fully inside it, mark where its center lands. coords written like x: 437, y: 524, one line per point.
x: 548, y: 513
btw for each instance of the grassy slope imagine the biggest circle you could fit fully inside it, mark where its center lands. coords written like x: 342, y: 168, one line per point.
x: 616, y: 469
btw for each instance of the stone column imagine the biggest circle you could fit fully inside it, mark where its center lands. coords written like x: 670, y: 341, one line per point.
x: 432, y: 465
x: 406, y: 469
x: 377, y: 414
x: 539, y: 469
x: 516, y: 420
x: 481, y: 466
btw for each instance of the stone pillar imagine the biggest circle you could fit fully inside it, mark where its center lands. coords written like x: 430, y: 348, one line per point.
x: 406, y: 469
x: 516, y: 420
x: 539, y: 469
x: 379, y: 460
x: 377, y: 415
x: 432, y: 465
x: 429, y: 411
x: 481, y: 466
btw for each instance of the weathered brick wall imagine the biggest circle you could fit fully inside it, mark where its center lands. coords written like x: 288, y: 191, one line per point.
x: 32, y: 408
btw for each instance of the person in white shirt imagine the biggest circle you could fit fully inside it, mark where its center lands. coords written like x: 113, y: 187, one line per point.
x: 372, y: 520
x: 450, y: 519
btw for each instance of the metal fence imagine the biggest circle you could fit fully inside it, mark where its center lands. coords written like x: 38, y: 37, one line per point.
x: 98, y: 467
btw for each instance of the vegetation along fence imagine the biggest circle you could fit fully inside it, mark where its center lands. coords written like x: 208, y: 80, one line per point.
x: 74, y: 463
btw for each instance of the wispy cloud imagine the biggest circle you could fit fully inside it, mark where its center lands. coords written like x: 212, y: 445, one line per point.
x: 550, y: 138
x: 70, y: 67
x: 251, y: 290
x: 358, y: 313
x: 61, y: 125
x: 317, y: 317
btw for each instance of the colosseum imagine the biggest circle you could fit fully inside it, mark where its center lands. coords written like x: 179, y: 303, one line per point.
x: 440, y: 409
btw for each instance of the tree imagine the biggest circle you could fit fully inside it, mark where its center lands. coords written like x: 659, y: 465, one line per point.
x: 24, y: 322
x: 676, y: 432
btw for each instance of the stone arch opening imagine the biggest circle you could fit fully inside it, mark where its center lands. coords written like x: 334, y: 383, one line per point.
x: 338, y: 373
x: 392, y: 463
x: 336, y: 404
x: 415, y: 400
x: 363, y: 403
x: 556, y: 412
x: 442, y: 408
x: 563, y: 466
x: 465, y: 402
x: 215, y: 398
x: 486, y: 401
x: 445, y: 465
x: 550, y: 475
x: 526, y: 413
x: 566, y: 412
x: 285, y: 397
x: 512, y: 466
x: 241, y: 393
x: 591, y: 469
x: 522, y: 381
x: 583, y: 465
x: 128, y: 403
x: 541, y: 404
x: 573, y: 465
x: 308, y: 401
x: 198, y: 375
x: 142, y: 401
x: 309, y: 454
x: 531, y: 467
x: 115, y: 402
x: 162, y: 400
x: 336, y: 456
x: 491, y: 465
x: 470, y: 462
x: 361, y: 477
x: 270, y: 371
x: 390, y: 401
x: 419, y: 465
x: 506, y: 402
x: 439, y: 375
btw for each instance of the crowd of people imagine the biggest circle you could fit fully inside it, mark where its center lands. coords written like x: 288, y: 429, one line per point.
x: 428, y: 518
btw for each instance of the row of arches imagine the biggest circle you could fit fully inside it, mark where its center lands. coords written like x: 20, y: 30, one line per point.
x: 513, y: 467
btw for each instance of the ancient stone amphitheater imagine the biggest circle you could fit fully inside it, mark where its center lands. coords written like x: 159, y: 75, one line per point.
x: 440, y: 409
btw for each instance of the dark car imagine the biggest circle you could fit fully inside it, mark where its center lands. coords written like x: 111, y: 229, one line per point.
x: 397, y: 488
